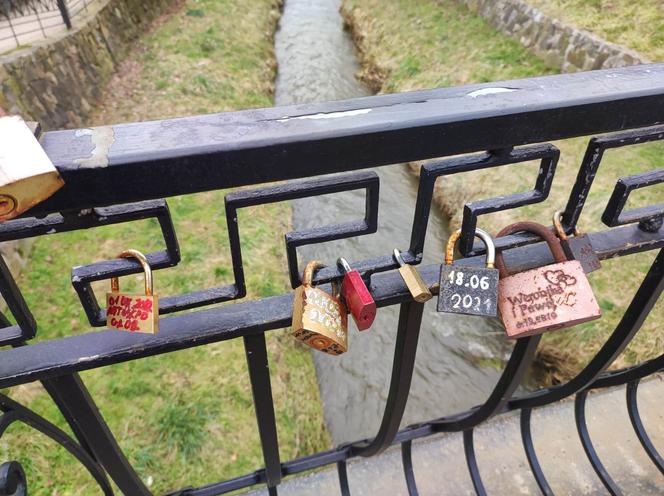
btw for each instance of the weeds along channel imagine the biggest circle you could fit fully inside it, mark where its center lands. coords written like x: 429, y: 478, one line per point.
x: 408, y: 46
x: 184, y: 418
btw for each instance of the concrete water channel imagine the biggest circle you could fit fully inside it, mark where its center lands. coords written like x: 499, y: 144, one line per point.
x: 457, y: 355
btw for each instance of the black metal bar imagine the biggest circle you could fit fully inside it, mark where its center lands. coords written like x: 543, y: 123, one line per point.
x: 615, y: 216
x: 546, y: 154
x: 255, y: 146
x: 591, y: 161
x: 620, y: 377
x: 64, y: 12
x: 531, y: 454
x: 343, y: 478
x: 584, y: 436
x: 261, y: 390
x: 26, y: 327
x: 196, y: 328
x: 519, y: 362
x: 403, y: 364
x: 639, y: 429
x: 12, y: 479
x: 471, y: 461
x: 79, y: 409
x: 17, y: 412
x: 368, y: 181
x: 409, y: 473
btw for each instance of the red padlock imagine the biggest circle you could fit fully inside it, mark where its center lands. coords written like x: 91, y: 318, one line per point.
x: 357, y: 297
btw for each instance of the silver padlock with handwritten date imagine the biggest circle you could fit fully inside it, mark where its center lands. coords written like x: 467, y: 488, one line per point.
x: 469, y: 290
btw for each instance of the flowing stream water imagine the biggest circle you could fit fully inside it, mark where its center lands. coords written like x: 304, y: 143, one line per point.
x: 457, y: 355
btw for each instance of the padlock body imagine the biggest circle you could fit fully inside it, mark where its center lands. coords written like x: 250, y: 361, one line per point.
x: 320, y: 320
x: 547, y: 298
x: 468, y: 290
x: 132, y: 313
x: 417, y: 287
x: 580, y: 248
x: 358, y: 299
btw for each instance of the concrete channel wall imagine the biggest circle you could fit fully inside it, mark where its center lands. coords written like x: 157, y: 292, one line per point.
x: 560, y: 45
x: 57, y: 81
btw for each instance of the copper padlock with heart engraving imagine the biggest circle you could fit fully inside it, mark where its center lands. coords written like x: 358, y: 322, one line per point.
x: 545, y: 298
x: 320, y: 319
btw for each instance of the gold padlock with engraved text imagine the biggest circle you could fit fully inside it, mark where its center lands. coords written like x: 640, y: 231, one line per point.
x: 320, y: 320
x: 131, y: 312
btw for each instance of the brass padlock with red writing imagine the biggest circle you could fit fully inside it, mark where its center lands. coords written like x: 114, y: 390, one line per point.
x: 132, y: 312
x: 320, y: 320
x: 546, y: 298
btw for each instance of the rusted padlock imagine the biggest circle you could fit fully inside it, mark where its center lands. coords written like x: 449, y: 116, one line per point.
x: 131, y: 312
x: 546, y: 298
x: 320, y: 320
x: 578, y: 247
x: 357, y: 297
x: 469, y: 290
x: 417, y: 287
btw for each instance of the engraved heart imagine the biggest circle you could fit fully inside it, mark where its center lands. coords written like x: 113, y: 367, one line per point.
x: 559, y: 278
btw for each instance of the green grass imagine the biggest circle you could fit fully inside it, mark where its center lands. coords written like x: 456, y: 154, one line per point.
x: 636, y: 24
x: 184, y: 418
x: 410, y: 45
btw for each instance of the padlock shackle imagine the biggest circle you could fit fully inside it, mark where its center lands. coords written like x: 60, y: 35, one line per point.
x: 479, y: 233
x: 115, y: 283
x: 535, y: 228
x: 308, y: 275
x: 343, y: 263
x: 398, y: 257
x: 558, y: 225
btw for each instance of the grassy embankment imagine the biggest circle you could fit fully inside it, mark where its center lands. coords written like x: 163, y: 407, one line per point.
x: 637, y: 24
x: 184, y: 418
x: 409, y: 45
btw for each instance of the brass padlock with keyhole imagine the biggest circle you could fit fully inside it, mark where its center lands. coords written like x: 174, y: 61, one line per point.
x: 469, y: 290
x: 133, y: 312
x: 320, y: 320
x: 417, y: 287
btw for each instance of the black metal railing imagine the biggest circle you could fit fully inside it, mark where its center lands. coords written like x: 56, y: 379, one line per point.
x: 181, y: 156
x: 24, y: 21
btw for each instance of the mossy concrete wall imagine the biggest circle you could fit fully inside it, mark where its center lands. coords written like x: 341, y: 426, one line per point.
x: 560, y: 45
x: 58, y: 81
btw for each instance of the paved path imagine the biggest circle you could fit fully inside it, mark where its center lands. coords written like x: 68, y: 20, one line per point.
x: 440, y: 466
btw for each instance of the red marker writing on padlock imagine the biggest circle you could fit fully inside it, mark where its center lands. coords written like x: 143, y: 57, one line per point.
x: 357, y: 297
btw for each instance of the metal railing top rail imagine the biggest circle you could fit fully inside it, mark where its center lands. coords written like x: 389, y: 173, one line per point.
x: 192, y: 154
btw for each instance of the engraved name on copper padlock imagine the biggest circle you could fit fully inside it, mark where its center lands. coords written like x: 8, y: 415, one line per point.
x: 320, y: 320
x: 578, y: 247
x: 133, y: 312
x: 357, y: 296
x: 469, y: 290
x: 545, y: 298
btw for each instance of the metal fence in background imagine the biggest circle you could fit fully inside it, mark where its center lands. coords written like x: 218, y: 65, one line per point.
x: 203, y: 153
x: 24, y: 22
